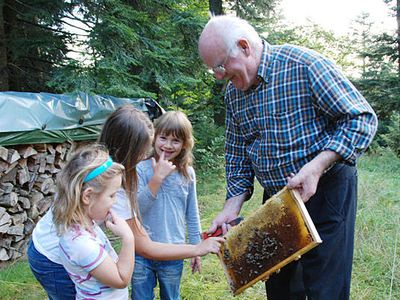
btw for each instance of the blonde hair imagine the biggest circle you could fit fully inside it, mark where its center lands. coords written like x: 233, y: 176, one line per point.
x: 177, y: 124
x: 68, y: 207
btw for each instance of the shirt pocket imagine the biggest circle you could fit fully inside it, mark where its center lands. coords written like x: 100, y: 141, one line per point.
x: 288, y: 125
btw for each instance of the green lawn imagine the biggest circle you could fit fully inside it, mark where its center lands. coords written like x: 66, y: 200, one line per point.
x: 376, y: 272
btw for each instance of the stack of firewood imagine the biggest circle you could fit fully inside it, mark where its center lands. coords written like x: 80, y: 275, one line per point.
x: 27, y: 186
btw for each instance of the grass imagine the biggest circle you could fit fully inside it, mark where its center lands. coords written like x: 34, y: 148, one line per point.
x: 376, y: 269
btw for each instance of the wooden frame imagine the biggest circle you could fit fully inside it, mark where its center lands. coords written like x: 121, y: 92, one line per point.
x: 277, y: 233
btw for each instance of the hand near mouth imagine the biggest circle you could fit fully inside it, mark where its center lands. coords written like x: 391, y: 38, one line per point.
x: 162, y: 168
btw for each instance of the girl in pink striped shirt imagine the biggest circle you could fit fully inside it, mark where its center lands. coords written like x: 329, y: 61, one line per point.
x: 87, y: 189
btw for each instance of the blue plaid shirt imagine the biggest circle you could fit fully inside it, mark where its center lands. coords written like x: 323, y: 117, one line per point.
x: 302, y: 105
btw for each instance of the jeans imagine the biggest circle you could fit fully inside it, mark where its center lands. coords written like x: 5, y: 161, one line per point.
x: 146, y: 274
x: 53, y: 277
x: 324, y: 273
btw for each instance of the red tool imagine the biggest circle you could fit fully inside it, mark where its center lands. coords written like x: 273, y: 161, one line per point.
x: 218, y: 232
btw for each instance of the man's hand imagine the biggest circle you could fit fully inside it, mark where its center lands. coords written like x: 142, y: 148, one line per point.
x: 230, y: 212
x: 306, y: 180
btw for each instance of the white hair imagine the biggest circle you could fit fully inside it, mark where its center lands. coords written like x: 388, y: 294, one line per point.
x: 230, y: 29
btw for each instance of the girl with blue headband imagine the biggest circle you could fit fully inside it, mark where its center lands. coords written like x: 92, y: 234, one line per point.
x: 86, y: 191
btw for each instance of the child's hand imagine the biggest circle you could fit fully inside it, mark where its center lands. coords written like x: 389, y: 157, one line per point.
x: 195, y: 264
x: 118, y: 226
x: 210, y: 245
x: 162, y: 168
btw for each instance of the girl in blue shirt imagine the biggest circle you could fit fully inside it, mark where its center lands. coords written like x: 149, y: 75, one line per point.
x: 168, y: 205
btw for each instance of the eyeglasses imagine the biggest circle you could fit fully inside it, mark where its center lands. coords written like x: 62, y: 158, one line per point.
x: 220, y: 69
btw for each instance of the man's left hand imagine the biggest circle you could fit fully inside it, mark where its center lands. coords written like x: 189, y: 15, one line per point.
x: 306, y: 180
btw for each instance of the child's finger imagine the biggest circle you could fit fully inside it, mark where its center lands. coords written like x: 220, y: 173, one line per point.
x: 109, y: 217
x: 162, y: 155
x: 109, y: 224
x: 198, y: 268
x: 153, y: 162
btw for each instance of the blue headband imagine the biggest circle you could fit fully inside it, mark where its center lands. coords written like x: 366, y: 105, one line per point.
x: 100, y: 169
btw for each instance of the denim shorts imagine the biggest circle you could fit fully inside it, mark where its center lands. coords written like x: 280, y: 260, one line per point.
x: 146, y: 274
x: 53, y: 277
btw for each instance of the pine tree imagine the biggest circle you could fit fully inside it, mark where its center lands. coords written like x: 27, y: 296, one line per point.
x: 33, y: 42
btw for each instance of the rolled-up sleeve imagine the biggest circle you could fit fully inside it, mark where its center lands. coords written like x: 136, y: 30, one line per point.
x: 354, y: 119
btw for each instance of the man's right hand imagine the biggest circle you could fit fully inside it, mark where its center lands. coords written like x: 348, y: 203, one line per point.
x: 230, y: 212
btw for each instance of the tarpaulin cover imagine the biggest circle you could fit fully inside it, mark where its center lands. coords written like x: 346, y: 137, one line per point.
x: 27, y: 118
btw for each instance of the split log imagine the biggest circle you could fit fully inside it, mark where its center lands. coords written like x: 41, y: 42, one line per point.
x: 11, y: 167
x: 3, y: 153
x: 19, y: 218
x: 44, y: 204
x: 5, y: 243
x: 4, y: 255
x: 51, y: 149
x: 3, y: 166
x: 28, y: 226
x: 16, y: 229
x: 27, y: 187
x: 33, y: 212
x: 6, y: 187
x: 46, y: 185
x: 13, y: 156
x: 9, y: 200
x: 9, y: 176
x: 5, y: 223
x: 27, y: 151
x: 25, y: 203
x: 15, y: 209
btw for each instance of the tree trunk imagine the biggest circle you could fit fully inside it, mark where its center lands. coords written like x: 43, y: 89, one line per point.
x: 398, y: 34
x: 10, y: 23
x: 216, y: 7
x: 4, y: 86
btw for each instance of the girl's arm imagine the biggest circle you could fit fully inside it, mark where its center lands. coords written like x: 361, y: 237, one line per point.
x: 118, y: 275
x: 192, y: 216
x: 145, y: 247
x: 193, y: 220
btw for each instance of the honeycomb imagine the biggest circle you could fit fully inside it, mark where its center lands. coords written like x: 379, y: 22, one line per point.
x: 277, y: 233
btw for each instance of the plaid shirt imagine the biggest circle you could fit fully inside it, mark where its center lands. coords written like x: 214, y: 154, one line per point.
x: 302, y: 105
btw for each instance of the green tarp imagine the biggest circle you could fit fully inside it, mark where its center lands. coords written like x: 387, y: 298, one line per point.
x: 30, y: 118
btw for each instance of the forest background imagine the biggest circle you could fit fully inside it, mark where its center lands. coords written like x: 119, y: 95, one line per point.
x: 148, y: 48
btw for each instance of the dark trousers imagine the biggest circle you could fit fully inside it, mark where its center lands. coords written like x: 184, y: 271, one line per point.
x: 324, y: 273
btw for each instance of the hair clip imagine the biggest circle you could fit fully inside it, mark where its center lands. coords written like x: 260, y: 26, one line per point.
x: 99, y: 170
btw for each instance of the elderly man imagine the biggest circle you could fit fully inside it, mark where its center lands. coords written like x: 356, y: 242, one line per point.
x: 292, y: 119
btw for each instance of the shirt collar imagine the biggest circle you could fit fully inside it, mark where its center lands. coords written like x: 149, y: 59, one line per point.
x: 262, y: 73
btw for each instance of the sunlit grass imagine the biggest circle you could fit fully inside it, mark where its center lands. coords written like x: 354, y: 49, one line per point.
x: 18, y: 283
